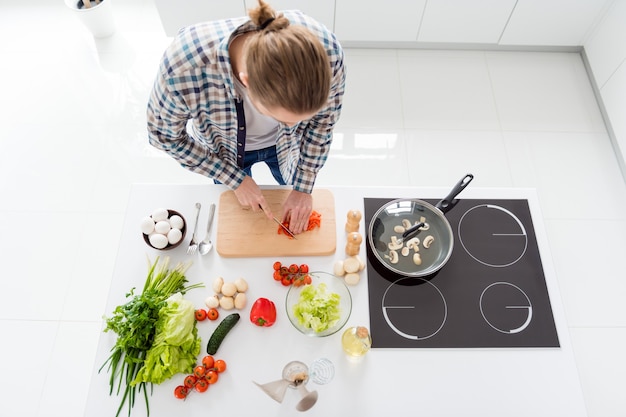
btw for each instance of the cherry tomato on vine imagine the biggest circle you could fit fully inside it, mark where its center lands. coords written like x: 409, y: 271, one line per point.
x: 202, y: 384
x: 190, y: 381
x: 220, y: 365
x: 277, y: 266
x: 208, y: 361
x: 181, y: 392
x: 199, y: 371
x: 211, y: 377
x: 286, y: 280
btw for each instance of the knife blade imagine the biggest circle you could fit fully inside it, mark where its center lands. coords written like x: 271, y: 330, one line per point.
x: 284, y: 228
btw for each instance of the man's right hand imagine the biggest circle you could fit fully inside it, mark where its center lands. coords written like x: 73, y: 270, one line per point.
x: 249, y: 195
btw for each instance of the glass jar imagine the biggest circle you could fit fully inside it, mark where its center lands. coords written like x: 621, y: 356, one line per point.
x: 356, y: 341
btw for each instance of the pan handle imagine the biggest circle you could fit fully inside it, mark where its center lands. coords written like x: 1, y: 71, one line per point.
x: 448, y: 202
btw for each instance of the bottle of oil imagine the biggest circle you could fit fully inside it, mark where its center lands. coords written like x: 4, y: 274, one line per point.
x: 356, y: 341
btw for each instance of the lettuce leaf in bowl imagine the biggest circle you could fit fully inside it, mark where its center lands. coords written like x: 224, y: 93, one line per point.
x: 317, y: 308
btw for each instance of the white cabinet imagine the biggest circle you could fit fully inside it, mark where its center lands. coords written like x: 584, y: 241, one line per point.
x: 378, y: 20
x: 606, y: 47
x: 552, y: 22
x: 321, y: 10
x: 177, y: 14
x: 606, y: 53
x: 462, y: 21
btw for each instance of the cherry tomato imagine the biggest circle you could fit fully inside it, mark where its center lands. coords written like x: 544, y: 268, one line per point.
x: 202, y: 384
x: 213, y: 314
x: 220, y: 365
x: 199, y: 371
x: 277, y: 266
x: 297, y: 281
x: 284, y: 270
x: 190, y: 381
x: 293, y: 269
x: 201, y: 314
x: 208, y: 361
x: 307, y: 279
x: 286, y: 280
x: 181, y: 392
x: 304, y: 268
x: 277, y: 275
x: 211, y: 377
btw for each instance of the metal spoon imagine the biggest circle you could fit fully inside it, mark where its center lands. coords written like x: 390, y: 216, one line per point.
x: 206, y: 245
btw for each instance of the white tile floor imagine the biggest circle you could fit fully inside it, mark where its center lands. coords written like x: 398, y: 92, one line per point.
x: 73, y: 140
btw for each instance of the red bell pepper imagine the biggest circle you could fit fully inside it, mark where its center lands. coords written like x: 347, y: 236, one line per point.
x: 263, y: 312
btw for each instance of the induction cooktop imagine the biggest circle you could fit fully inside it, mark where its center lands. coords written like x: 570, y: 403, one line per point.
x: 491, y: 293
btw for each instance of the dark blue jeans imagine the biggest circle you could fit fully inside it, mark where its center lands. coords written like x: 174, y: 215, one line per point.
x: 267, y: 155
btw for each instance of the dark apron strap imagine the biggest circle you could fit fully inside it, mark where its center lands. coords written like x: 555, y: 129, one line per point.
x: 241, y: 132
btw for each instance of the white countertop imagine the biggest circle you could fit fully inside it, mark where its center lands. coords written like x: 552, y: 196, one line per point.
x: 443, y: 382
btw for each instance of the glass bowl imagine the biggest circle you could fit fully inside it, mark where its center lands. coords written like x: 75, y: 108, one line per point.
x: 327, y: 312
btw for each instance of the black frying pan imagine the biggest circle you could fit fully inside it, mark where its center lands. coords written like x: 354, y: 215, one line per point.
x: 405, y: 246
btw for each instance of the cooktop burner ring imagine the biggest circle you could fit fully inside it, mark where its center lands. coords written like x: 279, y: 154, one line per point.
x: 401, y: 309
x: 505, y: 232
x: 500, y: 313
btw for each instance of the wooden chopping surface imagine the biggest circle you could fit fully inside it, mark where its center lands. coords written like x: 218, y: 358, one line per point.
x: 244, y: 233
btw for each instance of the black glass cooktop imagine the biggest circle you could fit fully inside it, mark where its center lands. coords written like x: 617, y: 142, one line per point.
x: 491, y: 293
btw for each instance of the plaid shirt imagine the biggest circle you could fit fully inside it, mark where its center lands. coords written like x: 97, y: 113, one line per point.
x: 195, y: 82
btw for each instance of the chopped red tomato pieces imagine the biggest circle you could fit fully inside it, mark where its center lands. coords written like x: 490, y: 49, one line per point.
x: 315, y: 221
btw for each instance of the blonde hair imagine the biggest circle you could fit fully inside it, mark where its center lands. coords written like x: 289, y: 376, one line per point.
x: 287, y: 65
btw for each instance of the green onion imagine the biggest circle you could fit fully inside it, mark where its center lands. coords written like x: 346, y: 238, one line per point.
x: 134, y: 323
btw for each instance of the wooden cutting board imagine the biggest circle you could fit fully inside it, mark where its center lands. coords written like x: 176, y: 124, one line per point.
x: 244, y: 233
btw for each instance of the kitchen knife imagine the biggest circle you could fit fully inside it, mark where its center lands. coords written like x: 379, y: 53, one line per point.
x: 284, y: 228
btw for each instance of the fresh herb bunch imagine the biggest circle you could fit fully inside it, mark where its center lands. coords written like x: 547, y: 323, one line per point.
x: 135, y: 326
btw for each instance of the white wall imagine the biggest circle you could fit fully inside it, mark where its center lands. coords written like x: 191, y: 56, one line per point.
x: 606, y: 53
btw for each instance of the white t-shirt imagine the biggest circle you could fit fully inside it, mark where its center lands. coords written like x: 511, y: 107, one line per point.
x: 261, y: 130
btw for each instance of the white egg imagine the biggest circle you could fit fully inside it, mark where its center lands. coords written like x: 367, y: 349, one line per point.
x: 177, y: 222
x: 162, y: 227
x: 174, y: 236
x: 158, y: 240
x: 160, y: 214
x: 147, y: 225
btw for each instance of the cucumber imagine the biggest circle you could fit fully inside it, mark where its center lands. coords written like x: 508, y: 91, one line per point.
x: 220, y: 332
